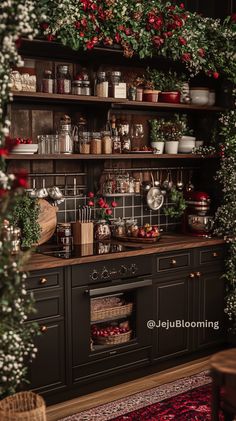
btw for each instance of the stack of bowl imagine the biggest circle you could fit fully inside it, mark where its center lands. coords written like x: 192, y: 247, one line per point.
x: 186, y: 144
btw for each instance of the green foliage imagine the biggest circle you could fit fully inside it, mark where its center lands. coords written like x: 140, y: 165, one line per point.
x: 178, y: 204
x: 163, y: 129
x: 165, y: 81
x: 25, y: 216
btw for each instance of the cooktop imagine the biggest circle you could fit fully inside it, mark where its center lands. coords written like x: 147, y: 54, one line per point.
x: 94, y: 249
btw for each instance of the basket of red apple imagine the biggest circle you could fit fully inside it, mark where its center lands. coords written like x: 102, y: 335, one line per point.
x: 146, y: 234
x: 111, y: 335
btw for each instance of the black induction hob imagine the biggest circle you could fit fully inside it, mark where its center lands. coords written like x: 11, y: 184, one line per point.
x: 83, y: 250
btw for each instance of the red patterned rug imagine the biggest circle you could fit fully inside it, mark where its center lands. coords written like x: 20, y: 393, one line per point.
x: 187, y: 399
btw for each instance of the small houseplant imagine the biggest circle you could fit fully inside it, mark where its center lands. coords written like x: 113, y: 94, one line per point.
x: 187, y: 141
x: 157, y: 135
x: 172, y: 131
x: 169, y: 83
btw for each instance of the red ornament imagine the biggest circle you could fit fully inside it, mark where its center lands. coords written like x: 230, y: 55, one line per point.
x: 186, y: 57
x: 114, y: 204
x: 215, y: 75
x: 108, y: 211
x: 182, y: 41
x: 91, y: 194
x: 181, y: 5
x: 158, y: 41
x: 50, y: 37
x: 201, y: 52
x: 90, y: 203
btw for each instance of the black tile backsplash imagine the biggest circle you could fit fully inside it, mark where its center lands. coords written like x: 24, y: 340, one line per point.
x: 128, y: 207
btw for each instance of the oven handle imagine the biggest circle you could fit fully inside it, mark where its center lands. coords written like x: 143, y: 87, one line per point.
x: 115, y: 288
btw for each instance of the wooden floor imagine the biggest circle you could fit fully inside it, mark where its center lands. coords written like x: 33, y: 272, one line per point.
x: 82, y: 403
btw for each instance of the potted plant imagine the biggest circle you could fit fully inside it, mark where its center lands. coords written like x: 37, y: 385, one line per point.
x: 172, y: 131
x: 157, y: 136
x: 102, y: 229
x: 151, y: 90
x: 169, y: 83
x: 187, y: 141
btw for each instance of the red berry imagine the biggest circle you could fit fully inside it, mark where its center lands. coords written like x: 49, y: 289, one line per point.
x: 215, y: 75
x: 91, y: 203
x: 90, y: 194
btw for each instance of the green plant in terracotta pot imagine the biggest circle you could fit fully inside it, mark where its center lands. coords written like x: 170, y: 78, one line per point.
x: 151, y: 90
x: 169, y: 83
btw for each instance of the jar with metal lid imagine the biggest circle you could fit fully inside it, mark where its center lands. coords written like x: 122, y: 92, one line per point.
x: 131, y: 227
x: 65, y: 136
x: 117, y: 89
x: 106, y: 143
x: 77, y: 87
x: 96, y: 144
x: 137, y: 186
x: 48, y: 82
x: 115, y: 77
x: 102, y: 85
x: 63, y: 79
x: 86, y: 88
x: 118, y: 228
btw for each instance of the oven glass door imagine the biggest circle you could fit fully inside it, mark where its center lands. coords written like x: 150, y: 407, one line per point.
x: 116, y: 319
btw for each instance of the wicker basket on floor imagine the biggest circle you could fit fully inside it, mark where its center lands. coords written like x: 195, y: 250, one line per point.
x: 23, y: 406
x: 114, y: 339
x: 110, y: 312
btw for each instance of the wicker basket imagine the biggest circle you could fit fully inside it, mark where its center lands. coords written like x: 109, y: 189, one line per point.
x: 114, y: 339
x: 107, y: 313
x: 23, y: 406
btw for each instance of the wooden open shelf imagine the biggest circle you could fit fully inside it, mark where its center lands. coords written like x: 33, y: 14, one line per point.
x: 113, y: 156
x: 113, y: 102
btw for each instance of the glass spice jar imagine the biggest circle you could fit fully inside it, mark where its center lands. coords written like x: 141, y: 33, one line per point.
x: 126, y: 143
x: 77, y: 88
x: 96, y: 144
x: 86, y: 88
x: 102, y: 230
x: 63, y: 79
x: 106, y: 143
x: 102, y: 85
x: 63, y: 232
x: 48, y: 82
x: 139, y: 94
x: 116, y: 142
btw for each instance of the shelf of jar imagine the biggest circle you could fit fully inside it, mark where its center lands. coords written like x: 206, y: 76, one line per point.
x: 113, y: 156
x: 113, y: 102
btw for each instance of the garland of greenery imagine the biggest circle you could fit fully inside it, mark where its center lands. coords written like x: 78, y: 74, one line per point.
x: 226, y: 213
x: 18, y: 18
x: 147, y: 29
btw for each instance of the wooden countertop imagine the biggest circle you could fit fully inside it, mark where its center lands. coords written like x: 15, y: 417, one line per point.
x: 168, y: 242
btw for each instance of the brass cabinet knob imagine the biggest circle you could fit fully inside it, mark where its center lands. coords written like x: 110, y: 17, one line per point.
x: 43, y: 281
x: 198, y: 274
x: 43, y: 329
x: 173, y: 262
x: 215, y: 254
x: 192, y: 275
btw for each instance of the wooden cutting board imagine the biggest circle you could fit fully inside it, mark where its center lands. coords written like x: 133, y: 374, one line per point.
x: 47, y: 220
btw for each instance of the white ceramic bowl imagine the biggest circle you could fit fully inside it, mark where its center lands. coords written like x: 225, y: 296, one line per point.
x: 199, y: 96
x: 199, y: 143
x: 186, y: 144
x: 24, y: 148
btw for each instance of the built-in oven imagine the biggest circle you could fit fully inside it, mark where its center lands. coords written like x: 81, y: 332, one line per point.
x: 111, y: 305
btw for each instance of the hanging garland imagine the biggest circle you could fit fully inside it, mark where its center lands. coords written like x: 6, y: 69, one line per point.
x: 226, y: 213
x: 147, y: 28
x: 18, y: 18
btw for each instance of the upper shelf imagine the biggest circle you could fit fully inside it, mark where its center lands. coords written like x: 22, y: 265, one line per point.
x: 113, y: 156
x: 113, y: 102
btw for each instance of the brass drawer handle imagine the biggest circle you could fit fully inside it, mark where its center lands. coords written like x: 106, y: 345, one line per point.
x: 198, y: 274
x: 43, y: 281
x: 173, y: 262
x: 215, y: 254
x: 192, y: 275
x: 43, y: 329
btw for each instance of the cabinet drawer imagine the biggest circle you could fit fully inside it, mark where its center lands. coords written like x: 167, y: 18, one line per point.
x: 173, y: 262
x: 48, y: 305
x: 45, y: 279
x: 211, y: 255
x: 110, y: 365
